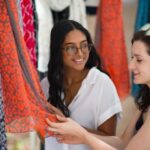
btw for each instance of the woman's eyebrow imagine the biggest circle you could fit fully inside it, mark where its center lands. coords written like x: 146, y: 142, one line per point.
x: 83, y: 41
x: 74, y: 43
x: 137, y: 55
x: 69, y: 43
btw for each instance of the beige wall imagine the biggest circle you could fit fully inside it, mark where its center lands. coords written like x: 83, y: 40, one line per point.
x: 129, y: 15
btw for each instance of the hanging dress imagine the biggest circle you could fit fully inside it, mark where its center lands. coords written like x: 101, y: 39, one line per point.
x: 25, y: 106
x: 111, y: 44
x: 27, y: 13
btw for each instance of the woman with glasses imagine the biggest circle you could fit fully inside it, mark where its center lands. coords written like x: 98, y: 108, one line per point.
x: 137, y: 134
x: 77, y: 85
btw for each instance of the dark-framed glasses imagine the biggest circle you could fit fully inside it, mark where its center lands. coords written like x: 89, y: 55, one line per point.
x: 72, y: 49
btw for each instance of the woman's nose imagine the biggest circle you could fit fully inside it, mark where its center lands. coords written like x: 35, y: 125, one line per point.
x: 79, y: 51
x: 131, y: 65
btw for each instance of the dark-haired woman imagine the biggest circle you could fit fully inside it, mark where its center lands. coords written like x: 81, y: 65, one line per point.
x: 78, y: 87
x: 136, y: 136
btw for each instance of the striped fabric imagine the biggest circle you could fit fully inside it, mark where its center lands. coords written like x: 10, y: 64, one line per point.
x: 28, y: 28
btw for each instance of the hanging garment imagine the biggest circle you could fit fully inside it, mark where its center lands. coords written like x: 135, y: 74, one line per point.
x: 91, y: 6
x: 92, y: 3
x: 25, y: 106
x: 20, y: 14
x: 142, y: 17
x: 28, y: 28
x: 143, y: 14
x: 62, y: 15
x: 78, y: 12
x: 45, y: 23
x: 112, y: 45
x: 3, y: 143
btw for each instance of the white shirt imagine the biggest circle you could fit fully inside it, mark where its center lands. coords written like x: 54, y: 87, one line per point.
x: 96, y: 101
x: 92, y: 3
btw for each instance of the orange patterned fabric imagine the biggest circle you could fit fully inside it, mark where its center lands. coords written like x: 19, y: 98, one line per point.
x: 112, y: 44
x: 25, y: 107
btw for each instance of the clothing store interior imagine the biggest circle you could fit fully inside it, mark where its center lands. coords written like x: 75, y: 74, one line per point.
x: 25, y: 38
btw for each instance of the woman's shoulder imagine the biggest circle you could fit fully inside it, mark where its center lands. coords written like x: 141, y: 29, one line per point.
x: 96, y: 73
x: 142, y: 136
x: 99, y: 79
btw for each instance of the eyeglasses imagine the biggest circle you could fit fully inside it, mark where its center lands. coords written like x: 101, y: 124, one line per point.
x: 73, y: 49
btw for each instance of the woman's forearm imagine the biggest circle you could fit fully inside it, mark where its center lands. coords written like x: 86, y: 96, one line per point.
x: 68, y: 131
x: 95, y: 144
x: 97, y: 132
x: 114, y: 141
x: 121, y: 142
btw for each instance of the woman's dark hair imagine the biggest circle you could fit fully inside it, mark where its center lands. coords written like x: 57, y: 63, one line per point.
x: 143, y: 98
x: 56, y: 67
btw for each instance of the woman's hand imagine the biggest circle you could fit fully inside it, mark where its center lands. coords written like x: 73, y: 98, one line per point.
x: 54, y: 110
x: 67, y: 131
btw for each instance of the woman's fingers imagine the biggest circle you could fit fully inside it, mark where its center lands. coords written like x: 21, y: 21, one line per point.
x: 61, y: 119
x: 54, y: 110
x: 51, y: 124
x: 64, y: 140
x: 61, y: 138
x: 53, y: 130
x: 53, y: 127
x: 57, y: 111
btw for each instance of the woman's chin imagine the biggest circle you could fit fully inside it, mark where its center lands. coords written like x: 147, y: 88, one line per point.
x: 136, y: 81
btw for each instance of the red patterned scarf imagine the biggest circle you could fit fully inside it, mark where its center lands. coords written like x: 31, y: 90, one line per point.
x: 25, y: 107
x: 112, y: 44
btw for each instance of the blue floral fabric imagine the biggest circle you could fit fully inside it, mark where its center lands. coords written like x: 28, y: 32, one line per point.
x: 3, y: 145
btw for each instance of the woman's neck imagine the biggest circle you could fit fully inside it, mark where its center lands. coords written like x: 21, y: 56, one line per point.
x: 72, y: 77
x: 72, y: 84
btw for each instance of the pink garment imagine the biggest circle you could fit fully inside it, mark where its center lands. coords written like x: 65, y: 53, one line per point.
x: 28, y: 28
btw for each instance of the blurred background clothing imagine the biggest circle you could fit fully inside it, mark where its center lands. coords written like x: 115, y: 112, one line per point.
x: 3, y: 141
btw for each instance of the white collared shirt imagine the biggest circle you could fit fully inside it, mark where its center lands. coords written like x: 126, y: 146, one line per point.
x: 96, y: 101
